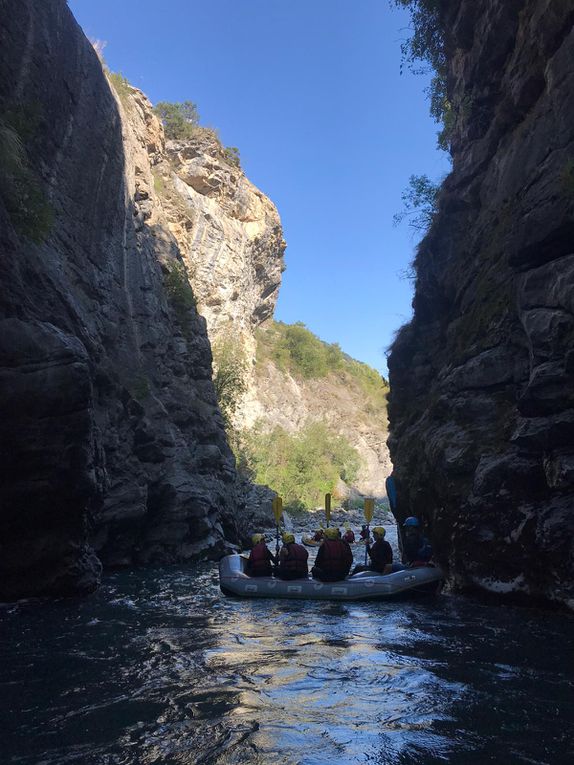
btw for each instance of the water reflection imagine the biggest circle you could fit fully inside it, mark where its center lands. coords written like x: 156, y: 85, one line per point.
x: 330, y: 685
x: 157, y: 667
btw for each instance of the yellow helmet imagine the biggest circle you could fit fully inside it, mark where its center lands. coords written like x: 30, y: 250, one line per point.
x: 332, y: 532
x: 379, y: 531
x: 256, y: 538
x: 287, y: 538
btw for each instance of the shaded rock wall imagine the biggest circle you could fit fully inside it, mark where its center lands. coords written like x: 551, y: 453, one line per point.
x: 111, y: 439
x: 482, y: 379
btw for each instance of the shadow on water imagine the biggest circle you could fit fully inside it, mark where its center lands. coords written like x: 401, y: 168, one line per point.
x: 158, y: 667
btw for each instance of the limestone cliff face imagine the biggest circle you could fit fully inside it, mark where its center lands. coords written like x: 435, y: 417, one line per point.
x: 482, y: 379
x: 229, y: 234
x: 112, y: 445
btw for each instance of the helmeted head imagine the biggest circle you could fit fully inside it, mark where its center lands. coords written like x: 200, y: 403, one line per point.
x: 379, y: 532
x: 332, y: 533
x: 411, y: 522
x: 256, y: 538
x: 287, y: 538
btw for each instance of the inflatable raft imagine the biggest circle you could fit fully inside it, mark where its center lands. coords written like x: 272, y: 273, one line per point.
x: 364, y: 586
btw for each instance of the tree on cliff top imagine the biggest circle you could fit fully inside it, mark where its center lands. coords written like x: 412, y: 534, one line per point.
x: 179, y: 120
x: 426, y: 46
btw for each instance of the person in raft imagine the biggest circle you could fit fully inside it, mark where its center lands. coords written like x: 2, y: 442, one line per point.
x: 334, y: 558
x: 381, y: 554
x: 260, y: 557
x: 365, y: 534
x: 318, y: 535
x: 292, y: 559
x: 349, y: 536
x: 416, y: 547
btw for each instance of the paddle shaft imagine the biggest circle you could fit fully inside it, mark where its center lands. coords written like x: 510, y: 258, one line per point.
x: 367, y: 543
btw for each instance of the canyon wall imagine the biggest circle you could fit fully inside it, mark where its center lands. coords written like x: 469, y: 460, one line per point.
x: 112, y: 446
x: 482, y: 378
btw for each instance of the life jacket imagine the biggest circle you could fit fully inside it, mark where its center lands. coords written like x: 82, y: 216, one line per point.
x: 335, y: 557
x: 349, y: 536
x: 296, y: 560
x: 260, y: 560
x: 416, y: 547
x: 380, y: 554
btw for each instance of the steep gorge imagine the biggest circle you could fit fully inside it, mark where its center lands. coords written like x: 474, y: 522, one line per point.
x: 482, y: 386
x: 124, y: 257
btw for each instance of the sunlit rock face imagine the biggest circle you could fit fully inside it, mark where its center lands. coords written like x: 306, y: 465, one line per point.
x: 113, y: 447
x: 482, y: 379
x: 229, y: 233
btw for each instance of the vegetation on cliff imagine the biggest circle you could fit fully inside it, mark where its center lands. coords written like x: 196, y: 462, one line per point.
x: 229, y: 379
x: 425, y: 49
x: 302, y: 466
x: 180, y: 294
x: 295, y: 349
x: 420, y: 203
x: 296, y: 373
x: 20, y: 186
x: 181, y: 123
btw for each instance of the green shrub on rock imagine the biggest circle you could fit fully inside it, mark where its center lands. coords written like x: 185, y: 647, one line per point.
x: 179, y: 119
x: 303, y: 466
x: 420, y: 200
x: 121, y: 85
x: 232, y: 155
x: 295, y: 349
x: 21, y: 189
x: 230, y: 376
x: 180, y: 294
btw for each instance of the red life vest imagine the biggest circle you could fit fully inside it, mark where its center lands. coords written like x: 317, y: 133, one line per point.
x: 335, y: 557
x: 260, y: 560
x: 380, y: 554
x: 296, y: 560
x: 349, y: 536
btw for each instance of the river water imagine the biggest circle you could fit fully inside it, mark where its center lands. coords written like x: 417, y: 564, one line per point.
x: 159, y: 667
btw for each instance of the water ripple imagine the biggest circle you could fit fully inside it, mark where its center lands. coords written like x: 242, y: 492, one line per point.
x: 158, y: 667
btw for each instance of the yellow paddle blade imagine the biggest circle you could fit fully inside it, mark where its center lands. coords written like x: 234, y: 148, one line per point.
x: 277, y: 509
x: 328, y: 507
x: 369, y: 509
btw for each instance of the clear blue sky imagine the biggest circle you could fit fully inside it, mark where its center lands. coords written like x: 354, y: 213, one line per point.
x: 311, y: 93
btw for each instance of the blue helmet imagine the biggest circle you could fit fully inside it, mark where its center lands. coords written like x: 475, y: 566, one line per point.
x: 411, y: 521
